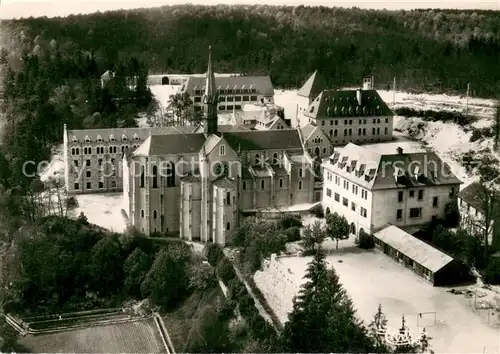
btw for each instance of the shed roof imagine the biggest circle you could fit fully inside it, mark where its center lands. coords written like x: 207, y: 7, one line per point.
x: 417, y: 250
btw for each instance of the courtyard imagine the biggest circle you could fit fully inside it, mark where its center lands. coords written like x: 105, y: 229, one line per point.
x: 371, y: 278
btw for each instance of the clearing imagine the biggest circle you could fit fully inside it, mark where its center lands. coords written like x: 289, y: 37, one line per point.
x: 132, y: 337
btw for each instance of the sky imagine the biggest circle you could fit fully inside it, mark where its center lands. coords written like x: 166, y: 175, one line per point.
x: 35, y: 8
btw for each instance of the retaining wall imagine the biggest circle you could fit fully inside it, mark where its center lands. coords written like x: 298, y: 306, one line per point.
x: 278, y: 285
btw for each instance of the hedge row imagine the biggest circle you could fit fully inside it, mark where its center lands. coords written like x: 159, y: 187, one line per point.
x: 239, y: 295
x: 442, y: 116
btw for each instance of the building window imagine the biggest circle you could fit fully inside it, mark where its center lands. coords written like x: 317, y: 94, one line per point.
x: 399, y: 214
x: 155, y: 215
x: 353, y: 206
x: 87, y: 162
x: 420, y: 194
x: 387, y: 120
x: 142, y: 177
x: 228, y: 226
x: 101, y: 185
x: 452, y: 191
x: 170, y: 175
x: 222, y: 150
x: 262, y: 184
x: 435, y: 202
x: 113, y: 184
x: 89, y: 185
x: 155, y: 177
x: 335, y: 132
x: 386, y: 131
x: 75, y: 163
x: 300, y: 173
x: 412, y: 194
x: 300, y: 185
x: 244, y: 186
x: 363, y: 212
x: 77, y: 186
x: 142, y: 213
x: 415, y: 213
x: 346, y: 185
x: 328, y: 192
x: 337, y: 197
x: 228, y: 198
x: 275, y: 158
x: 281, y: 182
x: 345, y: 202
x: 400, y: 196
x: 99, y: 162
x: 89, y: 174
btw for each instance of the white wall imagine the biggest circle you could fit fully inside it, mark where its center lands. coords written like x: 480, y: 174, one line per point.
x: 472, y: 220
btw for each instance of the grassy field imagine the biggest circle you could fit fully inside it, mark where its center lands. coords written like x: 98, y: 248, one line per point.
x: 180, y: 321
x: 134, y: 337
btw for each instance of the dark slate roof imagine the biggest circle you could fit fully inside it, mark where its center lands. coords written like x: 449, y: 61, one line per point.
x: 263, y: 140
x: 313, y: 86
x: 344, y: 103
x: 472, y: 195
x: 171, y: 144
x: 375, y: 171
x: 262, y: 84
x: 224, y: 182
x: 224, y: 128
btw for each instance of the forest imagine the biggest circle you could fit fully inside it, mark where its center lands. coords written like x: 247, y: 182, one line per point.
x: 431, y: 50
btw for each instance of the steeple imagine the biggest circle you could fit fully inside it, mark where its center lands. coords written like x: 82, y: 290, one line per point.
x: 210, y: 99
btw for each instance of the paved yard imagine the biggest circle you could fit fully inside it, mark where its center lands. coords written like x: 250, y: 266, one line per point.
x: 371, y: 278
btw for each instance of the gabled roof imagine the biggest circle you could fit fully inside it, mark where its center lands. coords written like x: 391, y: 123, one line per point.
x: 415, y: 249
x: 224, y: 182
x: 313, y: 86
x: 262, y: 84
x: 345, y: 103
x: 472, y: 195
x: 309, y: 129
x: 224, y: 128
x: 171, y: 144
x: 211, y: 143
x: 375, y: 171
x: 264, y: 140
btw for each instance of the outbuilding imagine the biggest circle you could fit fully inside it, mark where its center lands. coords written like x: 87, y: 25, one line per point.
x: 437, y: 267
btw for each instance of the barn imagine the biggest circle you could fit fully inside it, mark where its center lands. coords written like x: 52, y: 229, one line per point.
x: 435, y: 266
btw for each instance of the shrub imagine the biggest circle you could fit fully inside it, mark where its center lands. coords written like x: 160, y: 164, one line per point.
x: 365, y: 241
x: 452, y: 214
x: 214, y: 253
x: 317, y: 211
x: 236, y: 289
x: 247, y: 305
x: 492, y: 272
x: 225, y: 270
x: 476, y: 135
x: 71, y: 203
x: 288, y: 222
x: 293, y: 234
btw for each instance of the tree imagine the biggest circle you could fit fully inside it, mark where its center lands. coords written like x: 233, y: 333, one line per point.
x: 365, y: 240
x: 496, y: 125
x: 135, y: 269
x: 337, y: 228
x: 313, y: 236
x: 106, y: 266
x: 166, y: 281
x: 201, y: 276
x: 323, y: 318
x: 379, y: 323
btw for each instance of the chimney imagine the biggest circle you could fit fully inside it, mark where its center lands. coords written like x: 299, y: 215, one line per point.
x: 358, y: 96
x: 400, y: 150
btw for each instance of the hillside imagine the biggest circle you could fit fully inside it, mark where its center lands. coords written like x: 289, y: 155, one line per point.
x: 432, y: 50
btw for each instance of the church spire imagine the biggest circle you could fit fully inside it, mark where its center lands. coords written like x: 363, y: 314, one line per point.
x: 210, y: 98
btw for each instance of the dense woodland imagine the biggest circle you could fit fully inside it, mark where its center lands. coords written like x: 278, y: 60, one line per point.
x: 425, y: 49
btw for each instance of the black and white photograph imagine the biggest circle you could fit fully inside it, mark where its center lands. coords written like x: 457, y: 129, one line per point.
x: 235, y: 176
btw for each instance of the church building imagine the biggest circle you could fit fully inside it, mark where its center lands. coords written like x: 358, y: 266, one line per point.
x: 200, y: 184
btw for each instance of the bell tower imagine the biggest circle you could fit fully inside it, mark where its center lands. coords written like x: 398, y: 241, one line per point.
x: 210, y: 99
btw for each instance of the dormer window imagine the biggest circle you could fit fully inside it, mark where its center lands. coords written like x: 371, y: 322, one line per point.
x: 99, y: 138
x: 136, y: 137
x: 87, y: 139
x: 74, y: 139
x: 112, y: 138
x: 124, y: 137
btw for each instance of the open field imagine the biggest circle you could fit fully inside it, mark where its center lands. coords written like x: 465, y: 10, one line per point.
x: 371, y: 278
x: 134, y: 337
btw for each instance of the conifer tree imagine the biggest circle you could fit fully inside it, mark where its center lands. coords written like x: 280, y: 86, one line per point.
x: 322, y: 319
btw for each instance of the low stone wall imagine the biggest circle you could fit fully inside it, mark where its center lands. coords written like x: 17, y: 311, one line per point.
x: 277, y: 284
